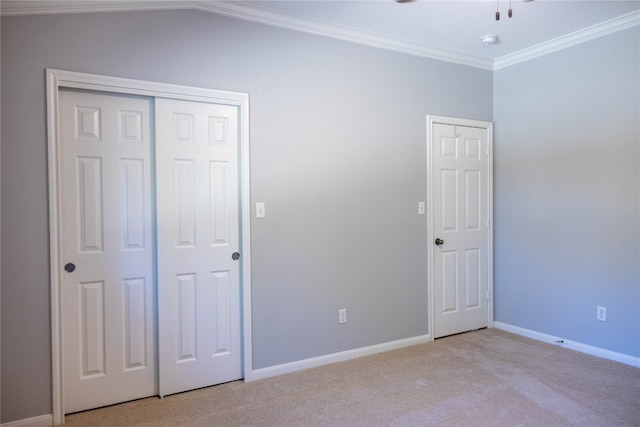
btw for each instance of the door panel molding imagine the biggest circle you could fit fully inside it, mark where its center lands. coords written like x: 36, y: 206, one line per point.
x: 59, y: 79
x: 473, y: 151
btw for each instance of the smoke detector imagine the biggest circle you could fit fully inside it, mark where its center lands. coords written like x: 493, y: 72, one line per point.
x: 489, y: 39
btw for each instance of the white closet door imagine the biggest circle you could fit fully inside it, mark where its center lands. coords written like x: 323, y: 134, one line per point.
x: 198, y: 234
x: 107, y: 292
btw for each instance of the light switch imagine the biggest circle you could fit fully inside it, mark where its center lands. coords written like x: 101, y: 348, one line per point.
x: 260, y: 210
x: 420, y: 208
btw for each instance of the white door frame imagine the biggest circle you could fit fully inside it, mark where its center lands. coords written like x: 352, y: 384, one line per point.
x: 57, y: 79
x: 431, y: 120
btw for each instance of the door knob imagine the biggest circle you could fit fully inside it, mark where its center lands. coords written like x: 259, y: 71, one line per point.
x: 69, y: 267
x: 235, y: 256
x: 439, y: 241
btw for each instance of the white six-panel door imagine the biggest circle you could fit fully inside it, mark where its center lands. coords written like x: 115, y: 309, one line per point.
x: 198, y: 234
x: 107, y: 290
x: 112, y: 248
x: 461, y: 227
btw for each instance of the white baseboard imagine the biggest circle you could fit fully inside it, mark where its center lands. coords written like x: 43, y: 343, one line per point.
x: 41, y: 421
x: 572, y: 345
x: 314, y: 362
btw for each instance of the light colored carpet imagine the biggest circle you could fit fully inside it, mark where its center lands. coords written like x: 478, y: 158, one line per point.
x: 482, y: 378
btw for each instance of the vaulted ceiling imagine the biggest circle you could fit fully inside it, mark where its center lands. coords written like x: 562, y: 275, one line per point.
x: 448, y: 30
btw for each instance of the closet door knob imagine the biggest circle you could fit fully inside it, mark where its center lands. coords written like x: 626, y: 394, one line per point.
x: 69, y: 267
x: 235, y: 256
x: 439, y: 241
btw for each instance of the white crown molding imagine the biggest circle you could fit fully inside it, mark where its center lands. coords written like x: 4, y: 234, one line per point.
x: 246, y: 12
x: 57, y: 7
x: 602, y: 29
x: 251, y: 13
x: 240, y: 10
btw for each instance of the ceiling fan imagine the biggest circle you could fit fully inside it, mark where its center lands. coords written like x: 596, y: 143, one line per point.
x: 509, y: 13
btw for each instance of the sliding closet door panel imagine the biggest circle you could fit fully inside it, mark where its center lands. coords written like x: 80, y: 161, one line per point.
x: 198, y: 233
x: 107, y: 288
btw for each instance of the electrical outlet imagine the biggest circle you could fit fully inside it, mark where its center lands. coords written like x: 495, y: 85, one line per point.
x: 342, y: 315
x: 601, y: 313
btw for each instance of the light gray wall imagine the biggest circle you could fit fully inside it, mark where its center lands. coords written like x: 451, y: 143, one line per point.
x: 337, y: 152
x: 567, y: 193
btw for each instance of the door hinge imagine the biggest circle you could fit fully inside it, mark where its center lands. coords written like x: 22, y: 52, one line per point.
x: 487, y: 150
x: 488, y: 223
x: 488, y: 296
